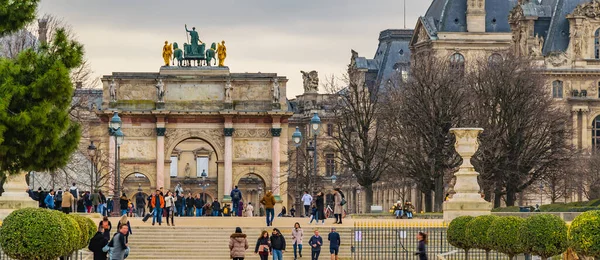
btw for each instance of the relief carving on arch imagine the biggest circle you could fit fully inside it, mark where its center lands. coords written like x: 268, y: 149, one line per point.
x: 175, y: 135
x: 252, y: 133
x: 140, y: 132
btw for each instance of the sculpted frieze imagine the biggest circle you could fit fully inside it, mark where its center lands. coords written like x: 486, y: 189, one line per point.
x: 252, y: 133
x: 591, y: 9
x: 140, y: 132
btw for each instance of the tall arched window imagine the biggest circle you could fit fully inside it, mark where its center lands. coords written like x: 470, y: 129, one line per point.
x: 457, y: 62
x: 557, y: 89
x: 597, y: 44
x: 595, y: 134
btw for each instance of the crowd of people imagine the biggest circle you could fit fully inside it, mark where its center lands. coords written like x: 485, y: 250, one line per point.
x: 72, y: 200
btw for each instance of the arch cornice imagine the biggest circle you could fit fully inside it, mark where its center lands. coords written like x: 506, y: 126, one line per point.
x: 214, y: 137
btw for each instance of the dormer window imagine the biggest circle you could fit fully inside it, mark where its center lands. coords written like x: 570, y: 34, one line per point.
x: 557, y: 89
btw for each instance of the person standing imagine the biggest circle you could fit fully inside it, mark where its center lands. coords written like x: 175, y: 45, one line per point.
x: 315, y: 243
x: 158, y: 203
x: 67, y: 202
x: 313, y: 214
x: 238, y: 244
x: 41, y: 197
x: 103, y: 208
x: 198, y: 203
x: 338, y: 208
x: 334, y: 244
x: 106, y: 226
x: 95, y: 197
x: 58, y: 197
x: 320, y: 201
x: 240, y: 210
x: 140, y: 204
x: 249, y: 210
x: 236, y: 196
x: 422, y: 247
x: 189, y: 205
x: 87, y: 202
x: 297, y: 235
x: 277, y: 245
x: 269, y: 201
x: 97, y: 243
x: 49, y: 200
x: 262, y: 245
x: 307, y: 201
x: 170, y: 207
x: 119, y: 244
x: 75, y: 192
x: 125, y: 221
x: 216, y: 207
x: 178, y: 201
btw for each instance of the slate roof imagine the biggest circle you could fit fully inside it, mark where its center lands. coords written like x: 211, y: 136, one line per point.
x: 558, y: 32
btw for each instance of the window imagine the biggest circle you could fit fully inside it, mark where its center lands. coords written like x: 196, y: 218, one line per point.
x: 329, y: 129
x: 595, y: 134
x: 557, y: 89
x: 201, y: 165
x: 174, y: 162
x: 330, y: 164
x: 495, y: 58
x: 457, y: 62
x: 597, y: 44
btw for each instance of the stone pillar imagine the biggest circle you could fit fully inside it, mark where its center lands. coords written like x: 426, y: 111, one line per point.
x: 160, y: 153
x: 575, y: 128
x: 467, y: 201
x: 14, y: 196
x: 228, y: 179
x: 585, y: 139
x: 275, y: 160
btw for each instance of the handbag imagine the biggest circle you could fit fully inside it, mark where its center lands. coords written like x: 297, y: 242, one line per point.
x: 343, y: 202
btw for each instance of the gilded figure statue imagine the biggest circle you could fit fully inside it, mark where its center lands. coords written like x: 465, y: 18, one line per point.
x: 222, y: 53
x: 167, y: 53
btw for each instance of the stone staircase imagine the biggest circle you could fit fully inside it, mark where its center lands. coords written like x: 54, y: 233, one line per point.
x: 189, y: 242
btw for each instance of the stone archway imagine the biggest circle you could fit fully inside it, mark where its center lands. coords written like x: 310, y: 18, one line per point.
x: 252, y: 186
x: 132, y: 182
x: 214, y: 137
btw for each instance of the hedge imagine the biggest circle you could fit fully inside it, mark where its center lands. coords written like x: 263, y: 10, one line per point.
x: 33, y: 233
x: 579, y: 206
x: 84, y: 235
x: 457, y: 233
x: 544, y: 235
x: 477, y: 232
x: 584, y: 234
x: 504, y: 233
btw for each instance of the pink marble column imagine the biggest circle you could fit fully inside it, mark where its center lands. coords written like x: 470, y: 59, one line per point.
x: 228, y: 178
x: 160, y: 156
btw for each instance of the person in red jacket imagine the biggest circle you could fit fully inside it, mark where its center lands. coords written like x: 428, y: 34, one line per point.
x: 158, y: 203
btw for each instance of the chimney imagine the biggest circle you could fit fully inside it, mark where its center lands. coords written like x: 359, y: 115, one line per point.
x: 43, y: 30
x: 476, y: 15
x: 78, y: 85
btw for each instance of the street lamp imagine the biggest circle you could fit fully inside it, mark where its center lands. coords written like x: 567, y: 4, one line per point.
x: 204, y: 175
x: 297, y: 139
x: 115, y: 126
x: 92, y: 153
x: 333, y: 179
x: 315, y: 125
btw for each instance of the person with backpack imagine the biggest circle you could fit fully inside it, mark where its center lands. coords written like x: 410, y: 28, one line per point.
x: 106, y: 226
x: 140, y: 204
x: 119, y: 244
x: 58, y: 199
x: 236, y: 196
x: 75, y: 192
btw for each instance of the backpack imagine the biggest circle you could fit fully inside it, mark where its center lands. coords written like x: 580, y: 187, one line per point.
x: 74, y: 192
x: 236, y: 195
x: 105, y: 225
x: 226, y: 211
x: 58, y: 195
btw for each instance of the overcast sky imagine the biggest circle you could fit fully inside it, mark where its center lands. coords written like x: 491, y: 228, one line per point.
x: 275, y: 36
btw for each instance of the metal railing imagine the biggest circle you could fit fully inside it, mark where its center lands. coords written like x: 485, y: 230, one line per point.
x: 79, y: 255
x: 391, y: 240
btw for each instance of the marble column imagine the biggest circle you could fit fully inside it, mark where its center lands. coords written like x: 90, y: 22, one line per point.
x: 160, y: 154
x: 228, y: 178
x: 575, y: 128
x: 585, y: 139
x: 275, y: 160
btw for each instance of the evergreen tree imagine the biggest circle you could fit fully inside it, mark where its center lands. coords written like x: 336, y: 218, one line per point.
x: 14, y: 14
x: 36, y: 92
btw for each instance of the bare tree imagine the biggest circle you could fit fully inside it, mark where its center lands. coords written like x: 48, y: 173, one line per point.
x: 526, y: 133
x: 421, y: 109
x: 363, y: 144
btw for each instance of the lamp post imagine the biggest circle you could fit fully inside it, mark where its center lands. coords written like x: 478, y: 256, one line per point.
x: 259, y: 188
x: 92, y: 154
x: 315, y: 126
x: 204, y: 175
x: 115, y: 126
x: 541, y: 194
x: 297, y: 139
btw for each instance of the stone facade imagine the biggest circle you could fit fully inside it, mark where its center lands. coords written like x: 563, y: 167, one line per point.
x: 195, y: 125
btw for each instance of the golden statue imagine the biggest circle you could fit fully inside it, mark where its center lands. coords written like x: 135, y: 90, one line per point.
x: 222, y: 53
x: 167, y: 52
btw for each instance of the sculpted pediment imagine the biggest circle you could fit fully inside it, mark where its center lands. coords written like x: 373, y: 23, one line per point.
x: 591, y: 9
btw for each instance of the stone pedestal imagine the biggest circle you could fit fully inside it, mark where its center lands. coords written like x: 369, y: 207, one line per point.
x: 15, y: 196
x: 467, y: 201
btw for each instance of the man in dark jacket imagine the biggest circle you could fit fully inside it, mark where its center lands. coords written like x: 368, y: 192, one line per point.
x: 140, y: 204
x: 198, y: 203
x: 189, y: 205
x: 334, y: 243
x: 58, y: 199
x: 236, y: 196
x: 315, y: 243
x: 216, y: 206
x: 180, y: 201
x: 277, y: 245
x: 97, y: 243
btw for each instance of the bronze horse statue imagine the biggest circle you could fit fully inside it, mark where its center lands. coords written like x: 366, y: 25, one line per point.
x: 177, y: 54
x: 210, y: 54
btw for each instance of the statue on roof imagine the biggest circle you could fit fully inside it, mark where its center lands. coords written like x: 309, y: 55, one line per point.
x: 112, y: 90
x: 275, y: 89
x: 222, y: 52
x: 310, y: 81
x: 167, y: 53
x: 195, y: 39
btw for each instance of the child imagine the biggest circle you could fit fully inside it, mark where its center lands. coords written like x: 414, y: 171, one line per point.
x: 313, y: 214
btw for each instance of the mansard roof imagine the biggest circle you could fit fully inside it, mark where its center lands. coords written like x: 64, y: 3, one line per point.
x: 558, y: 36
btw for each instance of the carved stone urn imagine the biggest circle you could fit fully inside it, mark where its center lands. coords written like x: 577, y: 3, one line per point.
x: 15, y: 195
x: 467, y: 200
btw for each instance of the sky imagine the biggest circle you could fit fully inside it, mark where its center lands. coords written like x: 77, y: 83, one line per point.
x: 269, y: 36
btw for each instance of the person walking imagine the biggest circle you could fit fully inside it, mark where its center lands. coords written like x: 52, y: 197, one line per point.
x: 158, y: 203
x: 236, y: 197
x: 95, y: 197
x: 106, y: 226
x: 269, y: 201
x: 103, y: 207
x: 297, y: 235
x: 170, y: 207
x: 189, y: 205
x: 263, y: 245
x: 49, y: 200
x: 58, y: 197
x: 97, y: 243
x: 240, y: 210
x: 67, y: 202
x: 87, y: 201
x: 125, y: 221
x: 313, y: 214
x: 198, y: 203
x: 249, y: 210
x: 307, y: 201
x: 238, y: 244
x: 320, y: 201
x: 216, y: 207
x: 334, y: 244
x: 75, y: 192
x: 140, y: 204
x: 119, y: 244
x: 277, y: 245
x: 422, y: 247
x: 315, y: 243
x: 338, y: 208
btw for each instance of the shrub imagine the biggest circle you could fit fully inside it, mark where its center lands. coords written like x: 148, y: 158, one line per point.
x: 504, y: 235
x: 92, y: 228
x: 457, y: 234
x: 584, y: 234
x: 85, y: 234
x: 477, y: 230
x: 544, y: 235
x: 33, y: 233
x: 71, y: 228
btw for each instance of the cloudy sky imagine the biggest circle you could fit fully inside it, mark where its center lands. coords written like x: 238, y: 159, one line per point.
x: 277, y: 36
